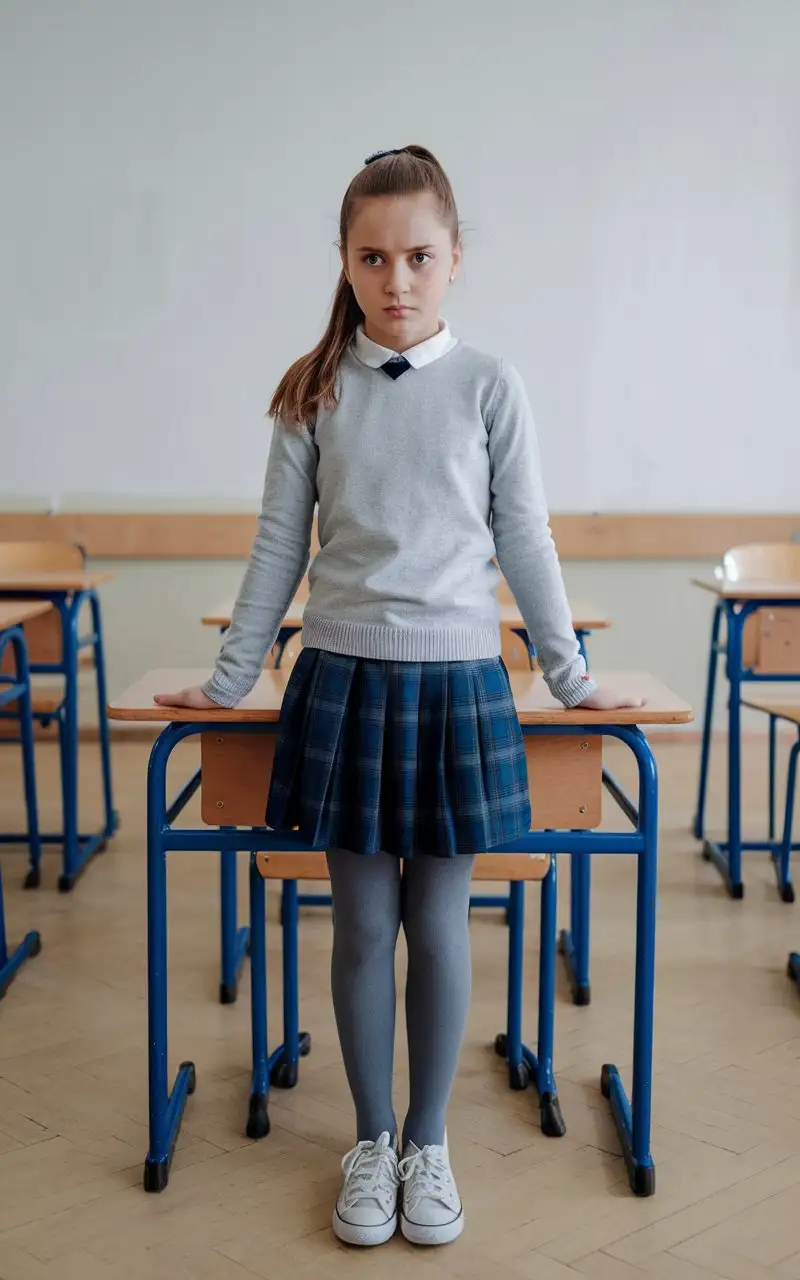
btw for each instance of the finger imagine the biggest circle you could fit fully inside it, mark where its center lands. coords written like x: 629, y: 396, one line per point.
x: 168, y: 699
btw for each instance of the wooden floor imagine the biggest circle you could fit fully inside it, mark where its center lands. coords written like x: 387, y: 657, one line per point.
x: 73, y: 1100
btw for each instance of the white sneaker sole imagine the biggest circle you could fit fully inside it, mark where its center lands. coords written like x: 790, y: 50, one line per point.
x: 365, y: 1237
x: 446, y: 1233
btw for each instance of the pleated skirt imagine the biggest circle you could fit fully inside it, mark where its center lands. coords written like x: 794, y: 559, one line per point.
x: 408, y: 758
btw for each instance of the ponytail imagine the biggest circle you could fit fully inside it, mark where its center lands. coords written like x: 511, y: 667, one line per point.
x: 311, y: 381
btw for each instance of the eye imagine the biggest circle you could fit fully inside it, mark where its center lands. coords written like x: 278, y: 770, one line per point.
x: 421, y: 258
x: 372, y: 259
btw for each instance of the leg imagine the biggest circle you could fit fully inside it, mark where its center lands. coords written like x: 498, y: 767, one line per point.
x: 166, y: 1109
x: 552, y: 1120
x: 366, y: 921
x: 296, y: 1043
x: 68, y: 740
x: 112, y: 818
x: 735, y: 625
x: 258, y: 1116
x: 787, y: 892
x: 574, y: 942
x: 771, y: 786
x: 28, y: 764
x: 707, y: 719
x: 436, y: 925
x: 233, y: 940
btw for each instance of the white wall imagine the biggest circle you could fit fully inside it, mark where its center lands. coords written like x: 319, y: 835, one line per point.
x: 626, y: 169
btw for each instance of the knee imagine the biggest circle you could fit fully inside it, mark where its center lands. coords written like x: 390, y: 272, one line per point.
x: 433, y: 936
x: 362, y: 938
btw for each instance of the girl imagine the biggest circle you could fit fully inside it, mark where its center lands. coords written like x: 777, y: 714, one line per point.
x: 399, y: 748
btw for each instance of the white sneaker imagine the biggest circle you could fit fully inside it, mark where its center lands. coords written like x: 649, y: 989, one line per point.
x: 366, y: 1210
x: 431, y: 1211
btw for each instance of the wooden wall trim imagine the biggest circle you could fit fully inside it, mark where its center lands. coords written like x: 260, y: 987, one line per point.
x: 219, y: 536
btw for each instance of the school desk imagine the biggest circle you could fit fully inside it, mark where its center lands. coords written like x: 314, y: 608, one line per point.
x: 15, y: 689
x: 567, y: 742
x: 573, y: 942
x: 68, y: 590
x: 761, y: 645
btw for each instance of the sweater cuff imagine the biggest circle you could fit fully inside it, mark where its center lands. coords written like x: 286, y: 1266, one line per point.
x: 571, y: 685
x: 226, y: 692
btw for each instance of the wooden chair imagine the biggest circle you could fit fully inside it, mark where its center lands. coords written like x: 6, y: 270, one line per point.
x: 771, y: 636
x: 782, y: 709
x: 280, y: 1068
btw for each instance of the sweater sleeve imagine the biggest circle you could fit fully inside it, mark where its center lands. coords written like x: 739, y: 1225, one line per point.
x: 278, y: 561
x: 526, y: 552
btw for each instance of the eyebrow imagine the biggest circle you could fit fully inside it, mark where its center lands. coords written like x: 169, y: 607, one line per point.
x: 420, y: 248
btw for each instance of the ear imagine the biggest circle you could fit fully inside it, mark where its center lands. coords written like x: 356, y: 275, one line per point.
x: 457, y: 253
x: 343, y: 256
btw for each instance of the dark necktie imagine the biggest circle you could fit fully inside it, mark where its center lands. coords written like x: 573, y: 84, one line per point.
x: 396, y: 366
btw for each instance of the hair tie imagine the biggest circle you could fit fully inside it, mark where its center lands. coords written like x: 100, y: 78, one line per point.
x: 378, y: 155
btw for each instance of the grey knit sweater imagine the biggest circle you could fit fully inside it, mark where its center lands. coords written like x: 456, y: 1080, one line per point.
x: 421, y: 483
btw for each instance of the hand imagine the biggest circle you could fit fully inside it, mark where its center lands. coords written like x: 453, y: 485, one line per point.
x: 193, y: 698
x: 608, y: 700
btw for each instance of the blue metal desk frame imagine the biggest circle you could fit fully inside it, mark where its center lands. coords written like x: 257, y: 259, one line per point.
x: 17, y: 689
x: 166, y: 1106
x: 726, y: 855
x: 77, y: 848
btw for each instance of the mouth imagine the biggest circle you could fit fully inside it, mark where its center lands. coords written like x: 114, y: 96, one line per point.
x: 397, y: 313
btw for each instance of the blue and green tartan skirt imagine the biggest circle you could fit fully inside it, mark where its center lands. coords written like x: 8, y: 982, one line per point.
x: 406, y: 758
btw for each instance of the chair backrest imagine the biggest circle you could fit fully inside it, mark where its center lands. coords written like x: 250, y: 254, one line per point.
x: 768, y: 561
x: 42, y: 555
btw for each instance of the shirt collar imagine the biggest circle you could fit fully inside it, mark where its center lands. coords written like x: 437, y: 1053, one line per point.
x: 374, y: 355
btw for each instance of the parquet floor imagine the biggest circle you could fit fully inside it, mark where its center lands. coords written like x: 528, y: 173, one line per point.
x: 73, y: 1102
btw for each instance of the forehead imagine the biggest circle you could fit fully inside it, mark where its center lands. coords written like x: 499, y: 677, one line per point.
x: 397, y: 222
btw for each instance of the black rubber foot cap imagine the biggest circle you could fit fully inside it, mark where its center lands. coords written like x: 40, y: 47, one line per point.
x: 706, y: 855
x: 787, y: 892
x: 605, y: 1087
x: 33, y: 879
x: 553, y: 1125
x: 501, y: 1045
x: 36, y: 946
x: 519, y: 1077
x: 228, y: 991
x: 283, y: 1075
x: 790, y: 969
x: 737, y: 892
x: 644, y: 1181
x: 582, y: 996
x: 305, y: 1044
x: 66, y: 884
x: 258, y: 1117
x: 191, y: 1084
x: 156, y: 1175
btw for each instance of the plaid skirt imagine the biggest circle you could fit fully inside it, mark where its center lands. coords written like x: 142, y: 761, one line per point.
x: 402, y: 757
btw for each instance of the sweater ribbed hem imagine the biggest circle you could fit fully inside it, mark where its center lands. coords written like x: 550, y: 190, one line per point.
x: 399, y: 644
x: 572, y: 685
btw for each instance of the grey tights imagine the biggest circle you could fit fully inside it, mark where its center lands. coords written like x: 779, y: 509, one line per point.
x: 372, y: 897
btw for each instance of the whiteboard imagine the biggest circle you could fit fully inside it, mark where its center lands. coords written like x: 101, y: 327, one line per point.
x: 627, y: 175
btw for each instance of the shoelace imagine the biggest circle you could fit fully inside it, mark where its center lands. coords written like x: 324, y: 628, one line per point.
x: 368, y: 1169
x: 433, y: 1179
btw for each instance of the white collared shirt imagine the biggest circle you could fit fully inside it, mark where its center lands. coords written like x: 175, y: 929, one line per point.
x: 374, y: 355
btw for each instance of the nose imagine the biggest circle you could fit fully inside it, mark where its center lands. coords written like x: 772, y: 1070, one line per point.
x: 398, y: 279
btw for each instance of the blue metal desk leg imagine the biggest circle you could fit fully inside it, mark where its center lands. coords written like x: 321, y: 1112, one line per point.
x: 233, y: 940
x: 112, y: 817
x: 708, y: 715
x: 784, y: 871
x: 166, y: 1109
x: 773, y: 723
x: 296, y: 1043
x: 31, y: 944
x: 574, y: 942
x: 793, y: 968
x: 523, y: 1064
x: 258, y: 1114
x: 727, y: 856
x: 633, y: 1122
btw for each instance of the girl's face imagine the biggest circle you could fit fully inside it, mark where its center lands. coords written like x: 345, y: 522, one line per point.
x: 399, y: 258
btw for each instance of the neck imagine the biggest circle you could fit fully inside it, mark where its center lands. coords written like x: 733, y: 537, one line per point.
x: 402, y: 341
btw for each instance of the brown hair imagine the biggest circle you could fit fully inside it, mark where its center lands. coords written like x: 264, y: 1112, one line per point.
x: 311, y: 380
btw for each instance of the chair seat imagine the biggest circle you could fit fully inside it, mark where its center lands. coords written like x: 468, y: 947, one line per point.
x: 488, y: 866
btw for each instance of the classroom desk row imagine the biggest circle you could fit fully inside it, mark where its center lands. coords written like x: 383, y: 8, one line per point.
x: 56, y: 644
x: 760, y: 645
x: 570, y: 738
